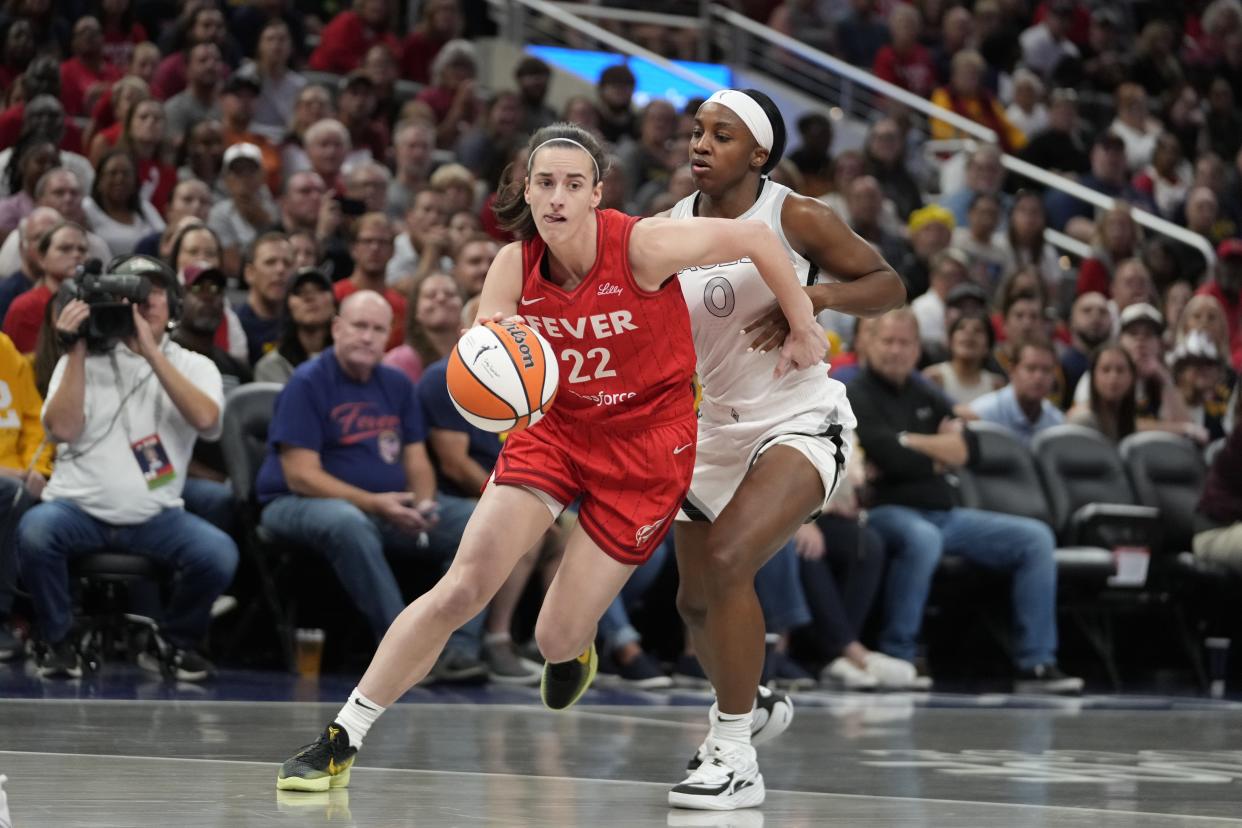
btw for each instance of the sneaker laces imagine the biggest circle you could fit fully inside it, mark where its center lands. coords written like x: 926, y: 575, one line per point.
x: 725, y: 758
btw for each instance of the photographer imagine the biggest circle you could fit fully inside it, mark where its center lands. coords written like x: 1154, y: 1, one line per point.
x: 125, y: 417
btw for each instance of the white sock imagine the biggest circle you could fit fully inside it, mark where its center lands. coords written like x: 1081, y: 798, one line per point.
x: 357, y: 716
x: 493, y: 639
x: 732, y: 728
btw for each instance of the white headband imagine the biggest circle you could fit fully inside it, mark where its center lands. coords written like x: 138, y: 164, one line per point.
x: 751, y: 113
x: 530, y: 160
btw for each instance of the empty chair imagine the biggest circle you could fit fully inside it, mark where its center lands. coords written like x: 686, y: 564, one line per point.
x: 1167, y: 472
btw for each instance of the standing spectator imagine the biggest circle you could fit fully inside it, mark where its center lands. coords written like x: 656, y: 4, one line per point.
x: 813, y: 157
x: 453, y: 92
x: 861, y: 34
x: 1135, y: 126
x: 884, y: 160
x: 1226, y: 287
x: 532, y: 76
x: 909, y: 436
x: 1022, y: 406
x: 100, y: 497
x: 949, y: 268
x: 84, y: 76
x: 1091, y: 325
x: 413, y: 142
x: 345, y: 41
x: 1046, y: 44
x: 115, y: 208
x: 237, y: 106
x: 372, y: 248
x: 200, y: 100
x: 238, y: 219
x: 307, y: 329
x: 930, y: 229
x: 1110, y: 405
x: 906, y: 62
x: 966, y: 95
x: 268, y: 268
x: 278, y: 84
x: 963, y: 377
x: 431, y: 329
x: 439, y: 23
x: 142, y: 135
x: 1166, y: 180
x: 615, y: 93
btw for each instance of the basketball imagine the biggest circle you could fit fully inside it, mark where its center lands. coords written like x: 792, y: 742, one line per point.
x: 502, y: 376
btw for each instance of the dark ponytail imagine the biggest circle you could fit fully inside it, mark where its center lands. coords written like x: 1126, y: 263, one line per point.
x: 779, y: 132
x: 512, y: 211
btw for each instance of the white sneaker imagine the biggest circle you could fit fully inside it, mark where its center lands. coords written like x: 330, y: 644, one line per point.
x: 6, y: 821
x: 891, y: 673
x: 846, y: 675
x: 746, y: 818
x: 728, y: 780
x: 774, y: 712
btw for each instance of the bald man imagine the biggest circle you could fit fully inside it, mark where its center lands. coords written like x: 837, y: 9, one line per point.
x: 347, y: 475
x: 371, y: 250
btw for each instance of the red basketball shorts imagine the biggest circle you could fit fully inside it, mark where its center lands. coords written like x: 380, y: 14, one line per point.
x: 631, y: 481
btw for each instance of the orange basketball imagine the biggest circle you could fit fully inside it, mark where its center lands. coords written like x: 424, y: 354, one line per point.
x: 502, y: 376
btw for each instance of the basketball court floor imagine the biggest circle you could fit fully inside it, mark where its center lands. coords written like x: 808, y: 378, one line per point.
x: 124, y: 749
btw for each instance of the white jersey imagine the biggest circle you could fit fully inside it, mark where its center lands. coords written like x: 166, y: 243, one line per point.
x: 723, y: 299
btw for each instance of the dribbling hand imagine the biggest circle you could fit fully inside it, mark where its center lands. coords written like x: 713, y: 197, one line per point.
x: 496, y: 317
x: 803, y: 347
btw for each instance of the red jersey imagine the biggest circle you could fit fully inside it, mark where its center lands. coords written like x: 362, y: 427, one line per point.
x: 626, y: 354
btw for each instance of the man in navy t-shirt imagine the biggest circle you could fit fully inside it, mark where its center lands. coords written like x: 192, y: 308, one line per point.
x: 347, y: 472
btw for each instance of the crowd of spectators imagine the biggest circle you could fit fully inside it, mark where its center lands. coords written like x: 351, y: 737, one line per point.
x: 318, y: 182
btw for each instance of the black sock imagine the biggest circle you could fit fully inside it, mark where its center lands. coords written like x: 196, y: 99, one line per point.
x: 565, y: 670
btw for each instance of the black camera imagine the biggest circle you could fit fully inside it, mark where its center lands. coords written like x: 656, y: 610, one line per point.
x: 109, y: 296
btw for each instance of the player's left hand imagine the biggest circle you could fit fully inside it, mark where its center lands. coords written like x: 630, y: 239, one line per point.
x: 804, y: 346
x: 496, y: 317
x: 768, y: 330
x: 142, y: 342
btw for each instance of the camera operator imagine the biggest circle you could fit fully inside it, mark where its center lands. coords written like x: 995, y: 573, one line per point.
x: 125, y: 419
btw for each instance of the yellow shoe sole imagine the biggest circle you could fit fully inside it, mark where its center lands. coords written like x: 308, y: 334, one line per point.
x: 592, y: 665
x: 323, y: 783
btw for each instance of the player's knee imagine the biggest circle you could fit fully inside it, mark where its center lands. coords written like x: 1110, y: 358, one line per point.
x: 559, y: 642
x: 729, y: 564
x: 692, y: 607
x: 460, y: 598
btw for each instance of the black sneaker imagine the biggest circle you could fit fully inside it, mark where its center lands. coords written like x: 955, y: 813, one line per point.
x: 61, y: 661
x: 321, y: 765
x: 773, y: 713
x: 643, y: 673
x: 782, y: 672
x: 182, y: 665
x: 564, y: 683
x: 1047, y: 679
x: 11, y: 647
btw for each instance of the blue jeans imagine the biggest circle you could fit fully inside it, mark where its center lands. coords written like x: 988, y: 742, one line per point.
x: 916, y: 539
x: 202, y: 558
x: 779, y: 587
x: 355, y: 544
x: 614, y: 626
x: 15, y: 501
x: 212, y: 501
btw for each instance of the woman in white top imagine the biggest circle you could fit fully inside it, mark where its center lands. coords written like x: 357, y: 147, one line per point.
x: 115, y: 210
x: 962, y: 377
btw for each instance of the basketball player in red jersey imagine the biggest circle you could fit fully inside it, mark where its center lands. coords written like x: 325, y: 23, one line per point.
x: 601, y: 287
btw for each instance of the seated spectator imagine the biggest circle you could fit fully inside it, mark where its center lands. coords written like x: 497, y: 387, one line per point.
x: 1131, y: 285
x: 813, y: 157
x: 313, y: 104
x: 301, y: 204
x: 105, y: 127
x: 472, y: 260
x: 305, y: 250
x: 196, y: 243
x: 1202, y: 211
x: 346, y: 39
x: 905, y: 62
x: 1166, y: 179
x: 1222, y: 123
x: 268, y: 269
x: 45, y: 117
x: 861, y: 33
x: 205, y: 24
x: 122, y: 33
x: 42, y: 77
x: 355, y: 493
x: 1116, y: 240
x: 966, y: 95
x: 115, y: 208
x: 651, y: 159
x: 29, y: 232
x: 1062, y: 145
x: 278, y: 84
x: 984, y: 174
x: 1022, y: 406
x: 424, y: 246
x: 413, y: 143
x: 930, y: 230
x: 190, y: 199
x: 239, y: 219
x: 1202, y: 313
x: 58, y: 190
x: 439, y: 23
x: 1173, y: 300
x: 1047, y: 43
x: 532, y: 76
x: 979, y: 240
x: 25, y: 465
x: 368, y: 183
x: 373, y: 246
x: 1226, y: 287
x: 865, y: 202
x: 101, y: 499
x: 238, y: 98
x: 464, y: 225
x: 621, y: 650
x: 1023, y: 320
x: 452, y: 93
x: 457, y: 184
x: 909, y: 436
x: 356, y: 108
x: 949, y: 268
x: 1199, y: 375
x: 884, y: 158
x: 963, y: 377
x: 1110, y: 405
x: 1091, y: 325
x: 613, y: 114
x: 16, y: 49
x: 327, y: 150
x: 201, y: 157
x: 61, y: 250
x: 1027, y: 112
x: 33, y: 156
x: 1108, y: 175
x: 380, y: 67
x: 307, y: 328
x: 1026, y: 247
x: 432, y: 328
x: 143, y: 136
x: 200, y: 100
x: 1218, y: 519
x: 83, y: 75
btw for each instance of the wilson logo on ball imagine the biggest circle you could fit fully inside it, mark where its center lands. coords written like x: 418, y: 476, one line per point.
x: 502, y: 376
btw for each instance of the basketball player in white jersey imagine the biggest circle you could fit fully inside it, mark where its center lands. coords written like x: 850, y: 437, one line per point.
x: 770, y: 449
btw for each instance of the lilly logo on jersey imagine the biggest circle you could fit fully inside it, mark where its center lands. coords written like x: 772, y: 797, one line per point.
x: 609, y: 289
x: 644, y: 533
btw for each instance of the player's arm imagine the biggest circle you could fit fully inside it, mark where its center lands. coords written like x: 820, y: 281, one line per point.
x: 502, y: 288
x: 660, y: 247
x: 869, y: 286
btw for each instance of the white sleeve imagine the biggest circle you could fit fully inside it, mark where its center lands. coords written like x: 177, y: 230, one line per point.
x: 201, y: 371
x: 239, y: 346
x: 57, y: 373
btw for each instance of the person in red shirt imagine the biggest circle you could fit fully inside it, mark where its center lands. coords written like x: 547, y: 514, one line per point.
x: 42, y: 77
x: 1227, y: 288
x: 60, y: 253
x: 356, y: 108
x: 344, y: 42
x: 143, y: 134
x: 85, y: 75
x: 440, y: 23
x: 121, y: 32
x: 905, y: 62
x: 453, y: 95
x: 371, y: 250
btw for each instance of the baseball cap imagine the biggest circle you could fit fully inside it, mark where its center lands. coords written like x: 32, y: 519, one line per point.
x: 198, y: 271
x: 1229, y: 248
x: 310, y: 274
x: 243, y: 151
x: 1194, y: 346
x: 239, y: 82
x: 965, y: 292
x: 924, y: 216
x: 1141, y: 312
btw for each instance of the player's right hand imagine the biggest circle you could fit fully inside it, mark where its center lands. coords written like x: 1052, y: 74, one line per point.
x: 497, y: 317
x: 804, y: 346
